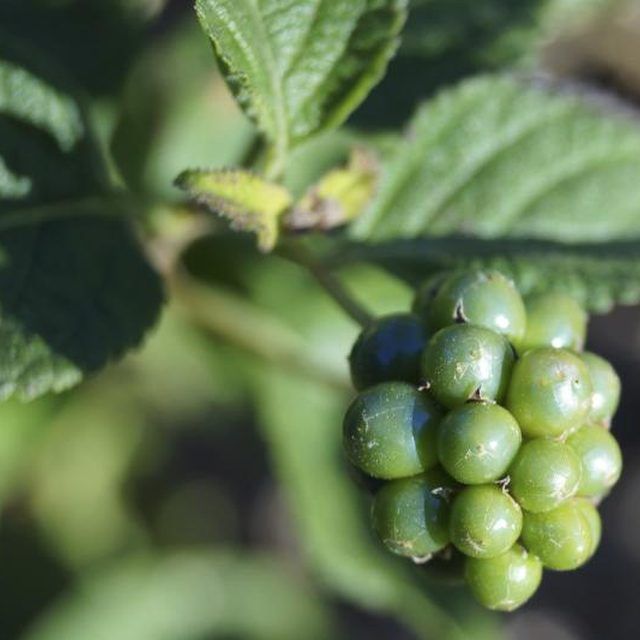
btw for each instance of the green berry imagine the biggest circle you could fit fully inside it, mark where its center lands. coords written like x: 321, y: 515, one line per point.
x: 390, y: 431
x: 464, y: 361
x: 544, y: 474
x: 554, y: 320
x: 411, y: 516
x: 593, y: 520
x: 561, y: 538
x: 505, y: 582
x: 600, y: 459
x: 485, y: 521
x: 425, y: 295
x: 387, y: 350
x: 477, y: 442
x: 606, y: 388
x: 484, y: 298
x: 549, y: 393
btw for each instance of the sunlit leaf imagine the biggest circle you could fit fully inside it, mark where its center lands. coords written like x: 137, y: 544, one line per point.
x: 298, y: 67
x: 496, y: 157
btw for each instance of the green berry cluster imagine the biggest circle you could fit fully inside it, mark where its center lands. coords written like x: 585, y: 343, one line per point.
x: 489, y: 426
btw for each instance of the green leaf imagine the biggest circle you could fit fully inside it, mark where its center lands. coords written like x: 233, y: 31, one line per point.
x: 25, y: 97
x: 299, y: 67
x: 251, y: 203
x: 188, y: 596
x: 598, y: 275
x: 75, y: 288
x: 339, y: 197
x: 497, y: 157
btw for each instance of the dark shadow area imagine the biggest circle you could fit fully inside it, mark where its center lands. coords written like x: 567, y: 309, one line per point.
x: 31, y: 578
x: 444, y: 41
x: 78, y: 287
x: 95, y: 40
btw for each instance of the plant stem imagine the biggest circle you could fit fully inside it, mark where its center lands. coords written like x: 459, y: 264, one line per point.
x: 253, y: 152
x: 244, y: 325
x: 328, y: 281
x: 274, y: 162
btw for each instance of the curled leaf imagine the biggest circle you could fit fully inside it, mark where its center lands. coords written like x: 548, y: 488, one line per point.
x: 340, y: 196
x: 247, y: 200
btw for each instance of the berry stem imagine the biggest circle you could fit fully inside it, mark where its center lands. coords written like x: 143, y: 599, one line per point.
x: 297, y: 253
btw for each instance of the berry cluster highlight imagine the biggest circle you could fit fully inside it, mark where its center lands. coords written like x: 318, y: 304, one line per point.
x: 487, y: 428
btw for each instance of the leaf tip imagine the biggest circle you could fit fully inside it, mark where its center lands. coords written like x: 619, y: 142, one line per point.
x: 248, y: 201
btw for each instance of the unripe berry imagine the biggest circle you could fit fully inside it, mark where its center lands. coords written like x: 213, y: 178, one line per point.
x: 562, y: 538
x: 593, y: 520
x: 506, y: 582
x: 484, y: 298
x: 485, y: 521
x: 477, y: 442
x: 549, y: 393
x: 606, y: 389
x: 390, y: 431
x: 463, y: 362
x: 600, y: 459
x: 411, y: 516
x: 389, y: 349
x: 544, y: 474
x: 554, y: 320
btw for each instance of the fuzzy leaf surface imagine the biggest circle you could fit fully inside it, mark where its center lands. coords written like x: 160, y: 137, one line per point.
x: 497, y: 157
x: 299, y: 67
x: 75, y: 288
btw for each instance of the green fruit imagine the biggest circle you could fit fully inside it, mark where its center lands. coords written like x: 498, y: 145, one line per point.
x: 477, y: 442
x: 549, y: 393
x: 390, y: 431
x: 554, y: 320
x: 593, y: 520
x: 505, y: 582
x: 425, y: 295
x: 464, y: 361
x: 411, y: 516
x: 561, y: 538
x: 544, y: 474
x: 606, y: 388
x: 485, y: 521
x: 389, y: 349
x: 600, y: 459
x: 484, y: 298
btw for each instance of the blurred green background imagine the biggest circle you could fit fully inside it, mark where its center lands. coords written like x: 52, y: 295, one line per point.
x: 197, y: 490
